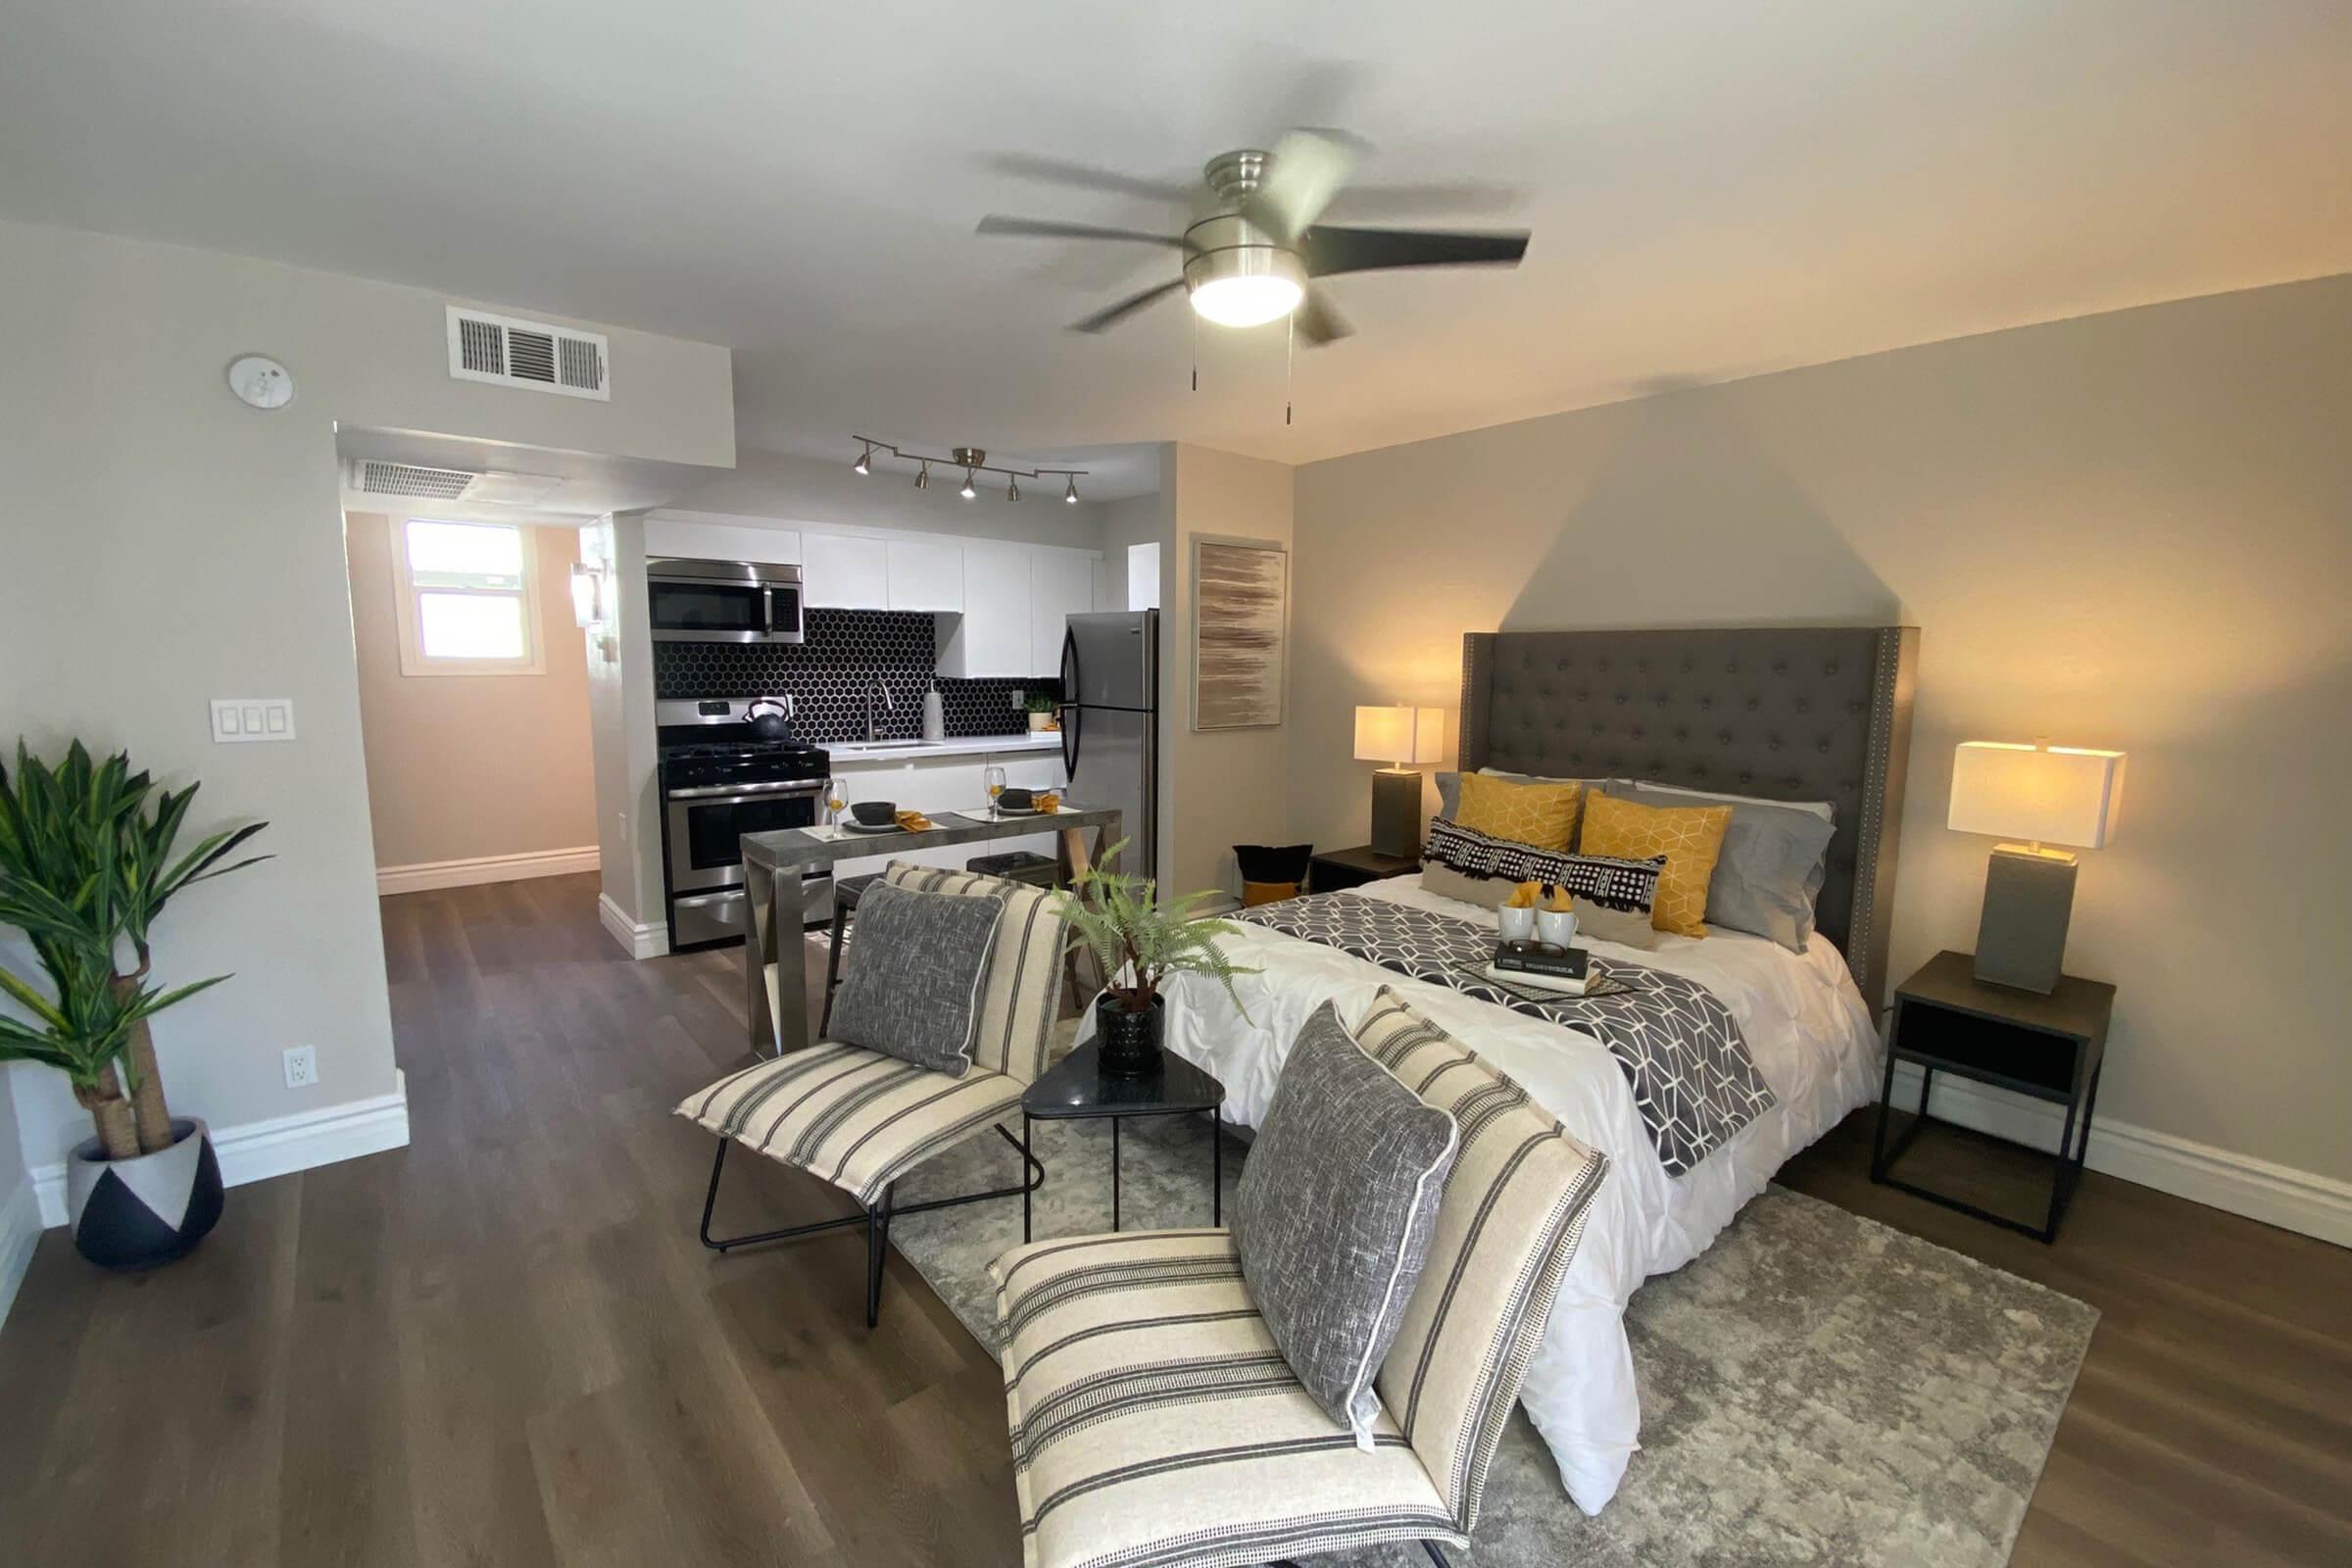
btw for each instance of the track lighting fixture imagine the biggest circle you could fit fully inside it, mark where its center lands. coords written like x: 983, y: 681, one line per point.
x: 973, y: 460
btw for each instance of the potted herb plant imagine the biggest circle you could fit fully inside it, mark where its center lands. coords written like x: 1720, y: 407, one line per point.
x: 1041, y: 709
x: 87, y: 863
x: 1140, y: 942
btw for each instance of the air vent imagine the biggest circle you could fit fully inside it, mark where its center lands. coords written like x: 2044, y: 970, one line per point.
x: 408, y: 479
x: 532, y: 354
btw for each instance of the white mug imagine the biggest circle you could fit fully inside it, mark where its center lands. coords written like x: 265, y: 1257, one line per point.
x: 1515, y: 924
x: 1555, y: 927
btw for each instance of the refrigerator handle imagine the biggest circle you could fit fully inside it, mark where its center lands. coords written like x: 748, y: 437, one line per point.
x: 1070, y: 720
x: 1069, y: 703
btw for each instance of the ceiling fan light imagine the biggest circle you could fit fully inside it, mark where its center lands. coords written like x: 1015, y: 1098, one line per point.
x: 1245, y: 285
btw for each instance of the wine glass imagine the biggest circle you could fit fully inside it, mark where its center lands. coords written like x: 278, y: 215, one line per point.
x: 996, y: 786
x: 837, y: 796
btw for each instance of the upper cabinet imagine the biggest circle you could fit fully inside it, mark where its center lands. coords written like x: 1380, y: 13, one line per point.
x: 1061, y: 584
x: 711, y: 536
x: 844, y: 571
x: 927, y: 574
x: 992, y: 637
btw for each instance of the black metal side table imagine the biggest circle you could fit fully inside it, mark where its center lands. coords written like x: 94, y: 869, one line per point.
x: 1076, y: 1088
x: 2051, y: 1047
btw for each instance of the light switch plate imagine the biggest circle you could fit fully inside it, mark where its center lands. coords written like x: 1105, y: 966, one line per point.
x: 236, y: 720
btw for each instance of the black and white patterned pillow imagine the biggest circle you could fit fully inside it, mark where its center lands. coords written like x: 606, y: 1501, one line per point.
x: 1625, y: 887
x: 1335, y: 1215
x: 914, y: 987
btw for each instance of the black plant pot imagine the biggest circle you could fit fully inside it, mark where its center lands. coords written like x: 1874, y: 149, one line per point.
x: 1129, y: 1041
x: 149, y: 1210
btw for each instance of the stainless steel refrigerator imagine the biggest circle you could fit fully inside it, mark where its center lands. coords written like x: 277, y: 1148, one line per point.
x: 1111, y: 723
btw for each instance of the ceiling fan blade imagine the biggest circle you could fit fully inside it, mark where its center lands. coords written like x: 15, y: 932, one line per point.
x: 1327, y: 250
x: 1084, y: 176
x: 1046, y: 228
x: 1316, y: 321
x: 1115, y: 315
x: 1307, y: 170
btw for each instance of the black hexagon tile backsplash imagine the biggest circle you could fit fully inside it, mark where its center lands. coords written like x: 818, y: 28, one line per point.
x: 828, y: 674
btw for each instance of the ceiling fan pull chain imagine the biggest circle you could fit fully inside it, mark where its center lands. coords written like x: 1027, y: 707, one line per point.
x: 1289, y: 354
x: 1192, y: 336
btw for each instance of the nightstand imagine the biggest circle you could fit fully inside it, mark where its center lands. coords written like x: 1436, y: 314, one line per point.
x: 2050, y: 1048
x: 1335, y: 869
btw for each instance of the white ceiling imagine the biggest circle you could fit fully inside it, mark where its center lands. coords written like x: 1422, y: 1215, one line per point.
x: 1716, y: 187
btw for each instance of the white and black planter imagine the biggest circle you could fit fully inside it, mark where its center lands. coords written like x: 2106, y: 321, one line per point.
x: 148, y: 1209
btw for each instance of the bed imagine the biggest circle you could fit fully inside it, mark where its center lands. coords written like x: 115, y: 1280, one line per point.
x: 1802, y: 713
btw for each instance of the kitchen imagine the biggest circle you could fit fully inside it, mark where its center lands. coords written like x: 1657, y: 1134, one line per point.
x: 914, y: 668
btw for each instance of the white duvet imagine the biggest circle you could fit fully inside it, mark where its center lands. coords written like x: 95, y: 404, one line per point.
x: 1807, y: 1030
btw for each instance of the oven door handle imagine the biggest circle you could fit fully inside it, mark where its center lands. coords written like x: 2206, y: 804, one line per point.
x: 732, y: 794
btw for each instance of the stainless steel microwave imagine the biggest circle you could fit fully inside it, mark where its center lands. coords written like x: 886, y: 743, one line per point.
x: 723, y: 600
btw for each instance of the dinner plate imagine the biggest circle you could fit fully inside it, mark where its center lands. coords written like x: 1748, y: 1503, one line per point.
x: 855, y: 826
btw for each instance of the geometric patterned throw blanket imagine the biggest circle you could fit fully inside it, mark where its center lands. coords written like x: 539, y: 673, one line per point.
x: 1679, y: 1047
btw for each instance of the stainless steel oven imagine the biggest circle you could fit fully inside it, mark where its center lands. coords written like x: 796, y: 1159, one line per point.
x: 722, y: 600
x: 729, y: 766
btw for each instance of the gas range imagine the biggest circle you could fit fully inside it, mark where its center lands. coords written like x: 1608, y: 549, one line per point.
x: 719, y: 780
x: 704, y: 764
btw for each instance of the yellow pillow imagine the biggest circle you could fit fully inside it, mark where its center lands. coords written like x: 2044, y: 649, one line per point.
x: 1689, y: 836
x: 1541, y: 814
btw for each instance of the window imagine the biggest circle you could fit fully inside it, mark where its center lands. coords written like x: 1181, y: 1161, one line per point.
x: 468, y: 598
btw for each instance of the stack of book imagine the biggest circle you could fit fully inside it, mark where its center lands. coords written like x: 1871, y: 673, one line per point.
x: 1539, y: 966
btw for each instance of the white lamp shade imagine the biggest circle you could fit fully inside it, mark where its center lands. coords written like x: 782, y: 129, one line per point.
x: 1405, y: 736
x: 2053, y: 795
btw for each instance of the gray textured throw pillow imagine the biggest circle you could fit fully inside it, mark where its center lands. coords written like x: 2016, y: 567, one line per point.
x: 913, y: 986
x: 1335, y: 1215
x: 1770, y: 869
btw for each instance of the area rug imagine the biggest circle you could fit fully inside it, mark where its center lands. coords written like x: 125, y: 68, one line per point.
x: 1816, y: 1388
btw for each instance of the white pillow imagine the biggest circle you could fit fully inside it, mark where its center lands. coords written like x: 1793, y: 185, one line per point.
x: 1821, y: 809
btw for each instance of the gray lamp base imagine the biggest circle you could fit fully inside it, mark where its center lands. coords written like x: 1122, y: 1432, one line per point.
x: 2029, y: 903
x: 1397, y: 812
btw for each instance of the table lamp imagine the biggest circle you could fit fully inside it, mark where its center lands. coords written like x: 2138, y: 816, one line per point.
x: 2042, y: 795
x: 1403, y: 738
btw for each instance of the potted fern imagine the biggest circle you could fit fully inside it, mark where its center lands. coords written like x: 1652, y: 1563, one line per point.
x: 87, y: 862
x: 1140, y: 942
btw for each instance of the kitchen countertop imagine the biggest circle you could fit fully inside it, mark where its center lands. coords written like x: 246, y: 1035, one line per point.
x: 851, y: 753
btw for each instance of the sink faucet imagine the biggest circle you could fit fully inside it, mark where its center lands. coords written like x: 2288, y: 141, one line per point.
x: 872, y: 687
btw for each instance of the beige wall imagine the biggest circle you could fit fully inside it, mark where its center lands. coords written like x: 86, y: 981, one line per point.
x: 463, y: 766
x: 1219, y: 787
x: 165, y: 543
x: 2130, y: 530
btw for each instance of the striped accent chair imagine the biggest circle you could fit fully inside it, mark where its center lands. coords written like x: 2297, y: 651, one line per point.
x: 860, y: 1120
x: 1155, y: 1423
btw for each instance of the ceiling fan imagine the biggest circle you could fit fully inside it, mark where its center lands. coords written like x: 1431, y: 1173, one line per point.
x: 1260, y: 253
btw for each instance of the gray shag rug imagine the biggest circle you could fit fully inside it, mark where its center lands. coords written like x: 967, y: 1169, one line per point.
x: 1816, y: 1388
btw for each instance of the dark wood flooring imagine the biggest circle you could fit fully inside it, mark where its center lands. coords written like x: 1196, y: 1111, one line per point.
x: 504, y: 1345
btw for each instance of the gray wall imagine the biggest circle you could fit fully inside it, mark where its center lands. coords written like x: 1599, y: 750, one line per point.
x: 165, y: 543
x: 2125, y: 530
x: 792, y: 488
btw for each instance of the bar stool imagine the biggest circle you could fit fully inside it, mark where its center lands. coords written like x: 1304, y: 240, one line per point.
x: 847, y: 890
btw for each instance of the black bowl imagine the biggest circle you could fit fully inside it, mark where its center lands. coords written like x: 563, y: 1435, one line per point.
x: 875, y: 813
x: 1017, y: 799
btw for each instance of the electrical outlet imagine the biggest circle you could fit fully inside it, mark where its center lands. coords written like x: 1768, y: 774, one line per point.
x: 302, y: 1066
x: 1020, y: 696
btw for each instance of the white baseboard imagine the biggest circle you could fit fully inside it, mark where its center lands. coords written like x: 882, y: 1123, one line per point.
x: 2277, y: 1194
x: 260, y: 1149
x: 426, y: 876
x: 637, y: 941
x: 20, y: 1233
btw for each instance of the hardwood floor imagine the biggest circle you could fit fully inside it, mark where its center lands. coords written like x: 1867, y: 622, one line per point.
x: 504, y: 1345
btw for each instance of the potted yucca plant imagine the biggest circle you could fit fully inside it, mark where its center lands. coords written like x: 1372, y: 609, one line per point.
x: 86, y: 864
x: 1140, y: 942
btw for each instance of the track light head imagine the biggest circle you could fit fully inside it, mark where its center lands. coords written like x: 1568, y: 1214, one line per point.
x: 1070, y: 493
x: 967, y: 492
x: 1012, y: 488
x: 922, y: 477
x: 865, y: 463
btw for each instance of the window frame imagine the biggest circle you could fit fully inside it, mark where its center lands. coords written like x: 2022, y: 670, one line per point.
x: 414, y: 660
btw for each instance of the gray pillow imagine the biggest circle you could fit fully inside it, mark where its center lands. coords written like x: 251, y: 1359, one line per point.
x: 1335, y: 1215
x: 1770, y: 869
x: 913, y: 986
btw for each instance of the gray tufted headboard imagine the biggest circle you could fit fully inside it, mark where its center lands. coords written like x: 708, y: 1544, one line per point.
x: 1795, y: 713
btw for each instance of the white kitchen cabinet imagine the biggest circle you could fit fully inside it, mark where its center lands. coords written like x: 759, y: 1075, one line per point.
x: 926, y: 574
x: 844, y: 571
x: 710, y: 537
x: 1061, y: 584
x: 992, y: 637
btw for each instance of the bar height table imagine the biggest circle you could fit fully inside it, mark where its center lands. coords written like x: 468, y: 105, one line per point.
x: 779, y: 1023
